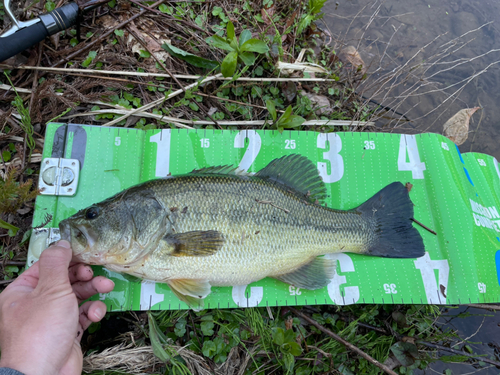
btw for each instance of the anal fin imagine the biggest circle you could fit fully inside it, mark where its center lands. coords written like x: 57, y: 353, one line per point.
x: 192, y: 292
x: 313, y: 275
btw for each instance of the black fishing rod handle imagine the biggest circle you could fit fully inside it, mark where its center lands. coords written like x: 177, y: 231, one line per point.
x: 57, y: 20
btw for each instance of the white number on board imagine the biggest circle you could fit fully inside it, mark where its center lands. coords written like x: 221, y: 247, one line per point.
x: 351, y: 293
x: 482, y: 287
x: 495, y: 163
x: 205, y: 142
x: 162, y: 139
x: 390, y: 289
x: 408, y: 146
x: 118, y: 141
x: 369, y: 145
x: 445, y: 146
x: 435, y: 290
x: 254, y: 143
x: 290, y: 144
x: 481, y: 162
x: 294, y: 291
x: 332, y: 155
x: 254, y: 298
x: 149, y: 297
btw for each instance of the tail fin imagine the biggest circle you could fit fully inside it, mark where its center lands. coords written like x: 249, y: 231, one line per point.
x: 390, y: 211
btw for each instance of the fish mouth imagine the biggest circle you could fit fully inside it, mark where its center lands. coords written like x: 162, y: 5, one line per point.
x: 65, y: 231
x: 77, y: 235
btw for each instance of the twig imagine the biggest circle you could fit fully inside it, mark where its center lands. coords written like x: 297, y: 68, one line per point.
x: 105, y: 35
x: 171, y: 18
x: 2, y: 282
x: 14, y: 263
x: 168, y: 71
x: 350, y: 346
x: 429, y: 344
x: 459, y: 352
x: 181, y: 122
x: 161, y: 100
x: 483, y: 306
x: 423, y: 226
x: 272, y: 204
x: 180, y: 76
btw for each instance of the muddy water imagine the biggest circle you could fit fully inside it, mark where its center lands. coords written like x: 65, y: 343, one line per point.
x: 449, y: 49
x: 393, y: 33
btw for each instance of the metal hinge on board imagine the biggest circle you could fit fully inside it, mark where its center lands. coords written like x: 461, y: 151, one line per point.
x: 59, y: 176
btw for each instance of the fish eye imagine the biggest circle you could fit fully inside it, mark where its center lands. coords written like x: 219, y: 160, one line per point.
x: 92, y: 213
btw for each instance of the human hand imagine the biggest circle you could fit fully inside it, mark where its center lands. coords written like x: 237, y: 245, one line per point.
x: 41, y: 324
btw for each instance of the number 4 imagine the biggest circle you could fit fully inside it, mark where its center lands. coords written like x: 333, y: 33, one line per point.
x: 408, y: 145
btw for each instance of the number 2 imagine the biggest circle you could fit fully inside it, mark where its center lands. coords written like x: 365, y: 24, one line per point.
x: 254, y: 143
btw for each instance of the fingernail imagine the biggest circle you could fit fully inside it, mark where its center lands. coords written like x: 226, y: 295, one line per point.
x: 99, y: 313
x: 64, y: 243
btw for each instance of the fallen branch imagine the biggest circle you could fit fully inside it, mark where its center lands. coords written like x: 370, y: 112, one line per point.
x: 182, y: 123
x: 350, y: 346
x: 423, y: 226
x: 429, y: 344
x: 161, y: 100
x: 105, y: 35
x: 484, y: 306
x: 180, y: 76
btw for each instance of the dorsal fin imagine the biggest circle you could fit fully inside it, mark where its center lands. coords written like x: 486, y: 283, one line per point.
x: 297, y: 173
x: 221, y: 169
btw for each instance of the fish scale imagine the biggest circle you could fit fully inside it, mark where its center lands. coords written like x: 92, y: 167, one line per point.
x: 285, y: 240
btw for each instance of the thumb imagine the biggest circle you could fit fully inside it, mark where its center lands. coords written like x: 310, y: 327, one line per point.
x: 54, y: 263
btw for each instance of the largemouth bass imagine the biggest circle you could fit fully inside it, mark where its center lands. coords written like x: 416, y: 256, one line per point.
x: 219, y: 227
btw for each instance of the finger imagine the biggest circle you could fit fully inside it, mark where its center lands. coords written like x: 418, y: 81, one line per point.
x: 91, y: 312
x: 80, y: 272
x: 86, y: 289
x: 54, y: 263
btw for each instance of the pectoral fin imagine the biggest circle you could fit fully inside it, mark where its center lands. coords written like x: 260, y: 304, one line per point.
x: 192, y: 292
x: 314, y: 275
x: 195, y: 244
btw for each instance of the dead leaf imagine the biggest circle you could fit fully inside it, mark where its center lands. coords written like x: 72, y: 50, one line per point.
x: 289, y: 90
x: 457, y: 127
x: 268, y: 13
x: 289, y: 322
x: 350, y: 56
x: 442, y: 288
x: 54, y: 38
x: 320, y: 102
x: 24, y: 210
x: 408, y: 186
x: 289, y: 22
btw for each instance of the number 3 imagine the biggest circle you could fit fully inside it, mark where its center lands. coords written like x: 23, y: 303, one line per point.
x: 332, y: 155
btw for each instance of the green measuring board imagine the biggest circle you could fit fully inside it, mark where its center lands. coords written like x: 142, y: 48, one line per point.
x: 455, y: 195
